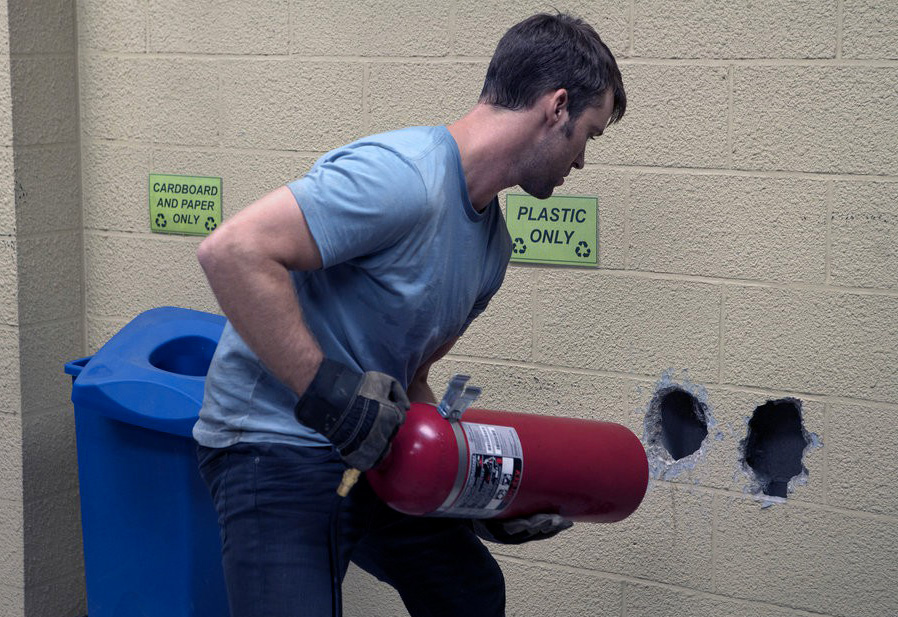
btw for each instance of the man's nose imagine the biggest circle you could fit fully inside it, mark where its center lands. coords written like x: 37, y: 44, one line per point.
x: 578, y: 162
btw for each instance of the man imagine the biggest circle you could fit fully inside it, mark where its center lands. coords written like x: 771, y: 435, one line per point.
x: 341, y: 290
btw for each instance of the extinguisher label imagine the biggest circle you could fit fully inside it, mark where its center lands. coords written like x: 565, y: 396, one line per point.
x: 495, y: 464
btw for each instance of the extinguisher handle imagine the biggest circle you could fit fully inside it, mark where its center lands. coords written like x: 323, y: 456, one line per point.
x: 458, y: 398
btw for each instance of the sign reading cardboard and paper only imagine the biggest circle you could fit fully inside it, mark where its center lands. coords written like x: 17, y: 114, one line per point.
x: 184, y: 204
x: 558, y: 230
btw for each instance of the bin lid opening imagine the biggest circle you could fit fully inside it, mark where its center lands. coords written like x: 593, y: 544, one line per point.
x: 185, y: 355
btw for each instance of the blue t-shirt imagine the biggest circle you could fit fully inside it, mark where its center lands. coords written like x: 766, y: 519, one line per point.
x: 407, y: 264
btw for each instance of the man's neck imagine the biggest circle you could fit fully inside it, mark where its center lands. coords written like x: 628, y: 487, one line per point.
x: 489, y: 140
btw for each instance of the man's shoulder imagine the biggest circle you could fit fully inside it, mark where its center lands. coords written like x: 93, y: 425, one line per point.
x: 410, y: 143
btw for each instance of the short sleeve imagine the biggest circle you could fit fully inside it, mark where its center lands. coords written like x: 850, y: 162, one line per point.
x: 359, y: 200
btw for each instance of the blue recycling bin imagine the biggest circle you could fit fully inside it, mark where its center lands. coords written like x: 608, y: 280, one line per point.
x: 151, y: 541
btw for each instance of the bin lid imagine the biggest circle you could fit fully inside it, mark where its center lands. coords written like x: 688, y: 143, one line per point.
x: 152, y: 372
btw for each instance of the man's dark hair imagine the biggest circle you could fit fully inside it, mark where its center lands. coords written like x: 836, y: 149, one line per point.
x: 548, y: 52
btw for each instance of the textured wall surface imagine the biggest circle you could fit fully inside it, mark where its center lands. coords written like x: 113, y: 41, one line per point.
x: 12, y: 541
x: 44, y: 302
x: 748, y: 247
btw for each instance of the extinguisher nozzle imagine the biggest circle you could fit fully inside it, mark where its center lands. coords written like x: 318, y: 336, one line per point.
x: 350, y: 477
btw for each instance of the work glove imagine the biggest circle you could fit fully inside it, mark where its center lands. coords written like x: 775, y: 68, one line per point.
x: 520, y: 530
x: 358, y: 412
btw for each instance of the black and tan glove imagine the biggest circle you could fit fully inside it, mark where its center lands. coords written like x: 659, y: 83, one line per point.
x: 358, y: 412
x: 520, y: 530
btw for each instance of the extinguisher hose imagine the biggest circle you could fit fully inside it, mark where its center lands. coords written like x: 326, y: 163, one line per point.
x: 334, y: 545
x: 350, y: 477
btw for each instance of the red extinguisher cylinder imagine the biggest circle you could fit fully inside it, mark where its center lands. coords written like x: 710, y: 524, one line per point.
x: 499, y: 464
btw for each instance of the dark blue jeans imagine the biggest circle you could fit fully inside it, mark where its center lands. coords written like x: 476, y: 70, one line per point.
x: 287, y: 539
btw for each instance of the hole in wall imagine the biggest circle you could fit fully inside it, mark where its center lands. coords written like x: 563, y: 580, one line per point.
x: 684, y: 422
x: 678, y: 426
x: 774, y: 445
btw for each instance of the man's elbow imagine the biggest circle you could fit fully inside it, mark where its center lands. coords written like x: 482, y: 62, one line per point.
x: 207, y: 252
x: 215, y: 251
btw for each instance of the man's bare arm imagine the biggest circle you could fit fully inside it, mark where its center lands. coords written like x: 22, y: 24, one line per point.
x: 419, y: 390
x: 247, y: 262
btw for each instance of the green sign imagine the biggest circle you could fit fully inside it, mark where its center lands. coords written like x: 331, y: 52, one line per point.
x: 184, y: 204
x: 558, y: 230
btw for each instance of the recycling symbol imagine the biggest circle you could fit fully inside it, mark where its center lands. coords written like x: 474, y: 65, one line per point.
x: 210, y: 224
x: 582, y: 249
x: 160, y: 220
x: 518, y: 248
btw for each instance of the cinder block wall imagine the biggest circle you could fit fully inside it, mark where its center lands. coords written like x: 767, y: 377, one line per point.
x: 41, y: 314
x: 748, y: 244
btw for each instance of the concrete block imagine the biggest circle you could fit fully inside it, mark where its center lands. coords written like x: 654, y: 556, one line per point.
x: 870, y: 30
x: 11, y: 473
x: 721, y: 29
x: 668, y: 540
x: 62, y: 596
x: 505, y: 328
x: 50, y: 277
x: 12, y: 600
x: 806, y: 558
x: 610, y: 188
x: 365, y: 596
x: 865, y: 234
x: 373, y: 28
x: 784, y: 118
x: 8, y: 192
x: 47, y: 189
x: 821, y: 342
x: 10, y: 372
x: 244, y: 177
x: 651, y: 600
x: 4, y: 26
x: 480, y: 25
x: 9, y: 281
x: 537, y: 590
x: 49, y: 460
x: 536, y: 390
x: 770, y: 229
x: 112, y: 25
x: 128, y: 275
x: 115, y: 97
x: 721, y: 466
x: 161, y: 100
x: 46, y: 27
x: 45, y: 348
x: 414, y: 93
x: 12, y: 542
x: 5, y: 101
x: 183, y: 102
x: 595, y: 321
x: 100, y: 330
x: 115, y: 186
x: 290, y: 105
x: 862, y: 462
x: 44, y: 99
x: 53, y: 538
x: 676, y: 116
x: 209, y: 27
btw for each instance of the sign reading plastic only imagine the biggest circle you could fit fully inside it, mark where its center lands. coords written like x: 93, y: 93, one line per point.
x: 188, y: 205
x: 558, y: 230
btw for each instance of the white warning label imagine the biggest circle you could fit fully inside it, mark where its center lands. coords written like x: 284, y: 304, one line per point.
x: 495, y: 465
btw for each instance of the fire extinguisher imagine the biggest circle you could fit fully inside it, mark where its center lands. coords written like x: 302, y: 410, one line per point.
x: 498, y: 464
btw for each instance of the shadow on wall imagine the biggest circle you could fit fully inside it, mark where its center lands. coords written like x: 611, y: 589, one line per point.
x: 679, y: 430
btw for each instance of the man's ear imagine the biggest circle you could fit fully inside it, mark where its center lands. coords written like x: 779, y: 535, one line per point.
x: 557, y: 105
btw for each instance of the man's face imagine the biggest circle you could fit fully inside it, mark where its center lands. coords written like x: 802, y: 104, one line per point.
x: 563, y: 148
